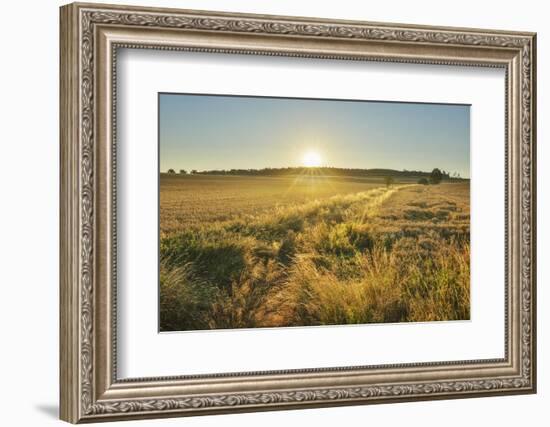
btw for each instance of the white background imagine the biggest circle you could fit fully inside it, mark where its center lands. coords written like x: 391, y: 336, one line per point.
x: 143, y: 352
x: 29, y: 171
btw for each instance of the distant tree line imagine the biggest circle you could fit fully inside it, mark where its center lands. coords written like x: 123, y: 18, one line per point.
x: 434, y: 177
x: 181, y: 172
x: 435, y: 174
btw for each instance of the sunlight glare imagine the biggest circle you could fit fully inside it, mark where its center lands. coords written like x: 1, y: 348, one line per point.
x: 312, y: 159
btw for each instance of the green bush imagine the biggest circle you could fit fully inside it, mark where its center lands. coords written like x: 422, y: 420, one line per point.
x: 436, y: 176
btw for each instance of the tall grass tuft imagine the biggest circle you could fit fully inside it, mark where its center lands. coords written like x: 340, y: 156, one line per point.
x: 185, y: 299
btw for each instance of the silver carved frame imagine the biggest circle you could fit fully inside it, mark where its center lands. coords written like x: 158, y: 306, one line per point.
x: 90, y: 36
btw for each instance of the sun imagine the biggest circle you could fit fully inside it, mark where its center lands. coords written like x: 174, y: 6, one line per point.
x: 312, y: 159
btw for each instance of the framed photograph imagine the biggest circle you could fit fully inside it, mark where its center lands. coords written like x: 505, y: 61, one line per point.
x: 266, y: 212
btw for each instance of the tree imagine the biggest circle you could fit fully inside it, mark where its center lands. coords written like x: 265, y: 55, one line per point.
x: 436, y: 176
x: 194, y: 171
x: 183, y: 172
x: 423, y: 181
x: 171, y: 171
x: 389, y: 180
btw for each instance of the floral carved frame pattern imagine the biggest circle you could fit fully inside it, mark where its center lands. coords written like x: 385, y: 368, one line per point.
x: 84, y: 395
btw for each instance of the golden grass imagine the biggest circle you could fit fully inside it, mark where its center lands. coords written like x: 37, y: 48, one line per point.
x: 196, y: 199
x: 393, y: 254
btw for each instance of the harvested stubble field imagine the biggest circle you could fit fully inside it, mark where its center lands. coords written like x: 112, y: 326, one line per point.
x: 244, y: 252
x: 196, y: 199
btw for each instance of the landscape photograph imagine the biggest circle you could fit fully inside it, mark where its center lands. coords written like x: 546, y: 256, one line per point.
x: 294, y: 212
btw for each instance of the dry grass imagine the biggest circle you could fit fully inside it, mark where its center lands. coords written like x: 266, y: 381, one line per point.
x: 376, y: 255
x: 196, y: 199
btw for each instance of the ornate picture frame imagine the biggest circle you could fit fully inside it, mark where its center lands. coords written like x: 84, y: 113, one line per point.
x: 90, y: 37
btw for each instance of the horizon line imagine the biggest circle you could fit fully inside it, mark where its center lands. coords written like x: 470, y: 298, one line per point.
x: 191, y: 171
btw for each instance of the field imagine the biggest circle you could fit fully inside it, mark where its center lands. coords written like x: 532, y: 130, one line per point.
x: 244, y: 252
x: 195, y: 199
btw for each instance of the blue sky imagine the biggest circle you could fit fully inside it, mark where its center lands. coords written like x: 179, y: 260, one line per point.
x: 207, y: 132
